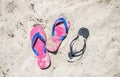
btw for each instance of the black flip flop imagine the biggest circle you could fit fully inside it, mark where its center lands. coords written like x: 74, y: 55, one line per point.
x: 72, y: 54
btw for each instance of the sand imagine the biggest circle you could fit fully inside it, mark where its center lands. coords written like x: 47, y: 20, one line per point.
x: 100, y: 17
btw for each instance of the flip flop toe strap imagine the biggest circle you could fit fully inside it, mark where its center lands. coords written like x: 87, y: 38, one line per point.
x: 34, y: 40
x: 65, y: 25
x: 77, y: 53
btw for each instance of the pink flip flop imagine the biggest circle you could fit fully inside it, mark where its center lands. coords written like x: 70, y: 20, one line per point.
x: 38, y: 39
x: 59, y: 33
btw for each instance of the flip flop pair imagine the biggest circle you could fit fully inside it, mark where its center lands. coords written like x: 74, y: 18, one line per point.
x: 38, y: 39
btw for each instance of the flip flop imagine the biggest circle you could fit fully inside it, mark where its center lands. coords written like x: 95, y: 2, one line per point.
x: 59, y: 32
x: 74, y: 54
x: 38, y: 39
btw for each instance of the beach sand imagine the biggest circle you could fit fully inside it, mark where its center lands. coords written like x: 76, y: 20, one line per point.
x: 100, y: 17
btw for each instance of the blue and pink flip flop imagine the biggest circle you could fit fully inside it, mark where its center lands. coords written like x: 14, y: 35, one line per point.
x: 38, y: 39
x: 59, y: 32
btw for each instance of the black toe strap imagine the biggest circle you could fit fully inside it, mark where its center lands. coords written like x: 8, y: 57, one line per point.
x: 77, y: 53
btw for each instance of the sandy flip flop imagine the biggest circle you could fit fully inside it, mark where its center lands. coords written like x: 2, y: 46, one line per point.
x: 38, y: 39
x: 78, y: 45
x: 59, y: 32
